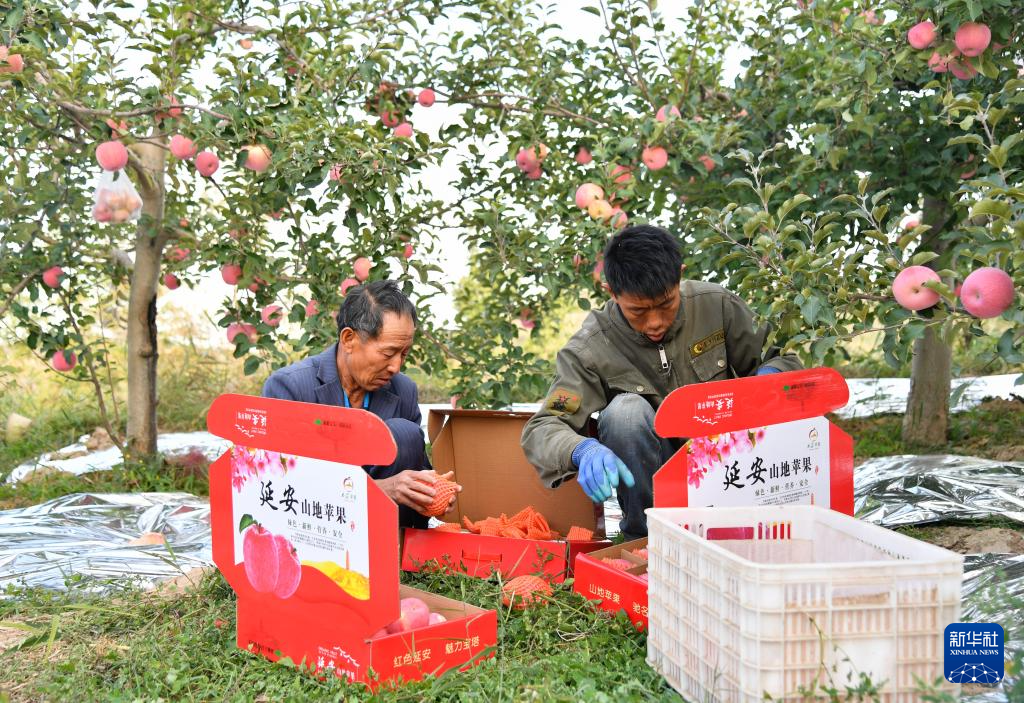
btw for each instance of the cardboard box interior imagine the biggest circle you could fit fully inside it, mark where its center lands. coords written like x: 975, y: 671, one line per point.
x: 482, y: 447
x: 623, y: 551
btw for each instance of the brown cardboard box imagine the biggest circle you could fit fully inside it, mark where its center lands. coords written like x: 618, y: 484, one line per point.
x: 482, y: 448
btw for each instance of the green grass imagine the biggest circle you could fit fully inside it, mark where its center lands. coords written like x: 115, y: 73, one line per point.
x: 991, y: 430
x: 142, y: 646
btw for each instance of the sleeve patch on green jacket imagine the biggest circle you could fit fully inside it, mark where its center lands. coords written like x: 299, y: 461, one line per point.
x: 562, y: 402
x: 709, y: 342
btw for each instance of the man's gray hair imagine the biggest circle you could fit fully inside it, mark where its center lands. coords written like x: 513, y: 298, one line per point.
x: 364, y: 306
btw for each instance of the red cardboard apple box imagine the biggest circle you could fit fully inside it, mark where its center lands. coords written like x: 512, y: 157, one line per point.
x: 759, y: 440
x: 292, y: 493
x: 782, y: 419
x: 482, y: 447
x: 615, y: 589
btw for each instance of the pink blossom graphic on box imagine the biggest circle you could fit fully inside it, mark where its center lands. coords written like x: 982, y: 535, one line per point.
x: 712, y: 451
x: 248, y: 463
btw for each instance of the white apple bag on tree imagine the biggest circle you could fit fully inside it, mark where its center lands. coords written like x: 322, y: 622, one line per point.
x: 116, y: 199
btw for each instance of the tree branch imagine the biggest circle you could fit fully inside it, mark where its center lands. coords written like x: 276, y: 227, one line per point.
x: 17, y: 289
x: 444, y: 347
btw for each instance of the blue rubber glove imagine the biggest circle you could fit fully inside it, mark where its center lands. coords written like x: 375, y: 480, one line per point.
x: 599, y: 470
x: 764, y: 370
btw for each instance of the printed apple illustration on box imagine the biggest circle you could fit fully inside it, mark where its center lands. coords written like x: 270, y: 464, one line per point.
x: 271, y: 563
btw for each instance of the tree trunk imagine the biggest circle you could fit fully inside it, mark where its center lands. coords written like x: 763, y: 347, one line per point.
x: 926, y: 421
x: 142, y: 339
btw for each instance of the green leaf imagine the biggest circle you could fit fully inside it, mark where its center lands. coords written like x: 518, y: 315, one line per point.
x: 997, y: 156
x: 795, y: 201
x: 252, y: 364
x: 1012, y: 141
x: 246, y: 520
x: 810, y: 309
x: 966, y: 139
x: 992, y: 208
x: 923, y: 257
x: 591, y: 10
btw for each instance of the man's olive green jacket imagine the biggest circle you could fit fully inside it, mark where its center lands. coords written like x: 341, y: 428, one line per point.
x: 713, y: 338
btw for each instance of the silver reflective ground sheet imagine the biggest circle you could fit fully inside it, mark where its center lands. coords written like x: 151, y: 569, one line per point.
x: 85, y: 537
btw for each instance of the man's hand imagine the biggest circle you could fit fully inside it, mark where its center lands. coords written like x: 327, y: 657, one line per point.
x: 414, y: 488
x: 600, y: 470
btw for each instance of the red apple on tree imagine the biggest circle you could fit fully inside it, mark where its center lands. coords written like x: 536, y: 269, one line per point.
x: 361, y: 267
x: 962, y: 69
x: 272, y: 315
x: 599, y: 209
x: 972, y: 38
x: 583, y: 156
x: 312, y: 308
x: 655, y: 157
x: 526, y: 160
x: 588, y: 193
x: 666, y: 111
x: 909, y: 290
x: 16, y: 63
x: 171, y: 281
x: 987, y: 292
x: 53, y: 276
x: 621, y: 174
x: 426, y: 97
x: 257, y: 158
x: 63, y: 360
x: 346, y: 284
x: 404, y: 130
x: 231, y: 273
x: 922, y: 35
x: 112, y: 155
x: 207, y: 163
x: 182, y: 147
x: 178, y: 254
x: 242, y: 328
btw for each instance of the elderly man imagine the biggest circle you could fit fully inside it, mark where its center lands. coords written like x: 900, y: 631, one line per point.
x: 657, y: 333
x: 376, y: 325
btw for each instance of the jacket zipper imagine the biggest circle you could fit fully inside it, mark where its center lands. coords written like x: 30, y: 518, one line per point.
x: 664, y: 357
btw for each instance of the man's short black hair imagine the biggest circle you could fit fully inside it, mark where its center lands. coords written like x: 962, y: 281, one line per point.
x: 364, y: 306
x: 644, y: 261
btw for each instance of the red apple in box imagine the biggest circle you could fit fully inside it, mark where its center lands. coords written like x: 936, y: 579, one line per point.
x: 415, y: 614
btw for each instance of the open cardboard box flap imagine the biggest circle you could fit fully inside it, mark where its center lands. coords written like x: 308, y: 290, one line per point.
x: 482, y: 447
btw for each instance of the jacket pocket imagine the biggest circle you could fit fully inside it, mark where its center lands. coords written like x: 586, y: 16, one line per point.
x: 711, y: 365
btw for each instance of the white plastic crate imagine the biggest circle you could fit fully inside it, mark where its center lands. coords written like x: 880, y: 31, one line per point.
x: 750, y: 601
